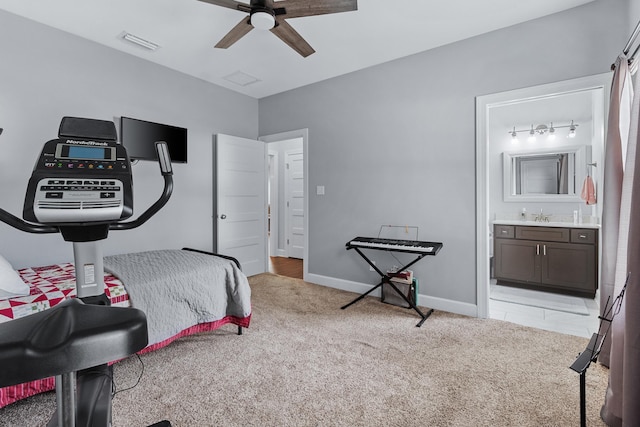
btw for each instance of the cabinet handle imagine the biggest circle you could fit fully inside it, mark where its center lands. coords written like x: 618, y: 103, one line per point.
x: 582, y: 236
x: 544, y: 250
x: 537, y: 249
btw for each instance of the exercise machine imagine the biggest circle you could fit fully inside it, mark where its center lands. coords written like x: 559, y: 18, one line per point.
x: 82, y: 187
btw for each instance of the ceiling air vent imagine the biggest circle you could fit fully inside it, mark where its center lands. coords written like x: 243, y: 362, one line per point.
x: 146, y: 44
x: 241, y: 79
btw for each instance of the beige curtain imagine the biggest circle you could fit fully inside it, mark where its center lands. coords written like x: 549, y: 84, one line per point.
x: 612, y: 193
x: 631, y: 355
x: 621, y: 244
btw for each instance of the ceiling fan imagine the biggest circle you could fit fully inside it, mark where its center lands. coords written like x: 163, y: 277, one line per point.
x: 271, y: 15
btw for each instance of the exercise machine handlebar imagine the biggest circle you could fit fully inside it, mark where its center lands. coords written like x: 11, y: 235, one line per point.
x: 23, y: 225
x: 164, y: 161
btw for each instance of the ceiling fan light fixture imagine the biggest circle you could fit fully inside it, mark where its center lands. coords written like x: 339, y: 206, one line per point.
x: 263, y: 20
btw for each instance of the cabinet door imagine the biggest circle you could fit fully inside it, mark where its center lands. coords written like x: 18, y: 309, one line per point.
x: 569, y: 266
x: 517, y: 260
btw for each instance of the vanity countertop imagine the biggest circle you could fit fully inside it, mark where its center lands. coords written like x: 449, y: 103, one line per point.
x: 544, y: 224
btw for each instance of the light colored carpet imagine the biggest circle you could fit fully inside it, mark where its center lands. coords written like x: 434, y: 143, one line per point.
x: 565, y: 303
x: 306, y: 362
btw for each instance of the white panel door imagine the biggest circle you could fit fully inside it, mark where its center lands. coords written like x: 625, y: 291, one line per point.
x: 240, y: 210
x: 295, y: 203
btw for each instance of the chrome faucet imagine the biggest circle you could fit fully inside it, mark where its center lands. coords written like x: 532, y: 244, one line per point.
x: 541, y: 217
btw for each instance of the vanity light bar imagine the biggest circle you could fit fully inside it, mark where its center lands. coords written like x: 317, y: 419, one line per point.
x: 542, y: 129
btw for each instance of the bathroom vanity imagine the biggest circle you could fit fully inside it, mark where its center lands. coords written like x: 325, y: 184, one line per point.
x: 553, y: 257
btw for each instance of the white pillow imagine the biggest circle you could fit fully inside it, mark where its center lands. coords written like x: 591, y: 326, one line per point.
x: 11, y: 285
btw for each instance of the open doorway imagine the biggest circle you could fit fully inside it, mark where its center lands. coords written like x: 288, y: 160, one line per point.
x: 499, y: 116
x: 287, y: 203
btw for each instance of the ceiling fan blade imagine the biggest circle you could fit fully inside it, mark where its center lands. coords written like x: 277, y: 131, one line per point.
x: 299, y: 8
x: 287, y: 34
x: 230, y: 4
x: 236, y: 33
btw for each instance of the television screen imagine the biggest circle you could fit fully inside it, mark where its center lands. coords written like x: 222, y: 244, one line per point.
x: 139, y: 138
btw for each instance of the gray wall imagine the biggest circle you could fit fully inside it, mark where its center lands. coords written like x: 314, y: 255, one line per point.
x: 395, y: 143
x: 47, y: 74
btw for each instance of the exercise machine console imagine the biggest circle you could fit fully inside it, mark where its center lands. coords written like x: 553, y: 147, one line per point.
x: 82, y: 187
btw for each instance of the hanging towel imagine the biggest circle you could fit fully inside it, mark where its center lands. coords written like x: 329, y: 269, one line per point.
x: 588, y: 191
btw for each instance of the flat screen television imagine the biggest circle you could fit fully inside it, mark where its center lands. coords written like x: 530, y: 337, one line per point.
x: 139, y: 138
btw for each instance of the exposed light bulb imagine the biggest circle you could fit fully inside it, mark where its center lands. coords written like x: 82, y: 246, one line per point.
x: 514, y: 135
x: 572, y: 130
x: 532, y: 135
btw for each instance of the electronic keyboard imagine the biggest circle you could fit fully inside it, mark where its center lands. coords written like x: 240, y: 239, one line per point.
x: 411, y: 246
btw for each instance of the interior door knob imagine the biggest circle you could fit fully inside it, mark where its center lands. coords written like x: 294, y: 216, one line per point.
x: 223, y: 216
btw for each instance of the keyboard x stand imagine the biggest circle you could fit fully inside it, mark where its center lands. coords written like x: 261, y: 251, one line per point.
x: 385, y: 278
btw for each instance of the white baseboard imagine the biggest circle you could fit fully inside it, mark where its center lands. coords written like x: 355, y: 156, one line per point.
x: 440, y: 304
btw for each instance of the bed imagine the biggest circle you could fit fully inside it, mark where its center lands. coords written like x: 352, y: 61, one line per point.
x: 182, y: 292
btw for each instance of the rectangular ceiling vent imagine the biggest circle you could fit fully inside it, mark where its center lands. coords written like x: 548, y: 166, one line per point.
x: 241, y: 79
x: 146, y: 44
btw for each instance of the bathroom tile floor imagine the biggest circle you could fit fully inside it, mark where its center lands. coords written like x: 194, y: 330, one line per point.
x: 550, y: 320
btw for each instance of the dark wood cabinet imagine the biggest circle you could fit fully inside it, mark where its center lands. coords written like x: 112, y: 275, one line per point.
x: 556, y: 259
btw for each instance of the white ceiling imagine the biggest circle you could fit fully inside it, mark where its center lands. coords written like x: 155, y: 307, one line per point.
x: 186, y: 30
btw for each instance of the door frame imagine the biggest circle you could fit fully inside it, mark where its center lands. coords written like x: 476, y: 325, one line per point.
x: 483, y: 121
x: 304, y: 134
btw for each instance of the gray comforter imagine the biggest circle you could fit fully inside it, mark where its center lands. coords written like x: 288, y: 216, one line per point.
x: 178, y: 289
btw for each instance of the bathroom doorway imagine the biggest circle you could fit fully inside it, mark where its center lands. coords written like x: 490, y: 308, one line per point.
x: 498, y: 115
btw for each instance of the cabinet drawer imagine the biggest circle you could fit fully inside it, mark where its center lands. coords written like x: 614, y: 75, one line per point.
x: 504, y: 231
x: 550, y: 234
x: 580, y: 235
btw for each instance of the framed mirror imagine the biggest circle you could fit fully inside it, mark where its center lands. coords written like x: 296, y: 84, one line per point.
x: 545, y: 175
